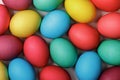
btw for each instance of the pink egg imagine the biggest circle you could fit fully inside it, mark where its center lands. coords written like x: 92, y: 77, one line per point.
x: 4, y: 19
x: 36, y: 51
x: 17, y: 4
x: 10, y: 47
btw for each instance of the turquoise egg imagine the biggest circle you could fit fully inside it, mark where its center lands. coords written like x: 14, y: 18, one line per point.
x: 20, y: 69
x: 88, y: 66
x: 47, y: 5
x: 63, y: 52
x: 55, y: 24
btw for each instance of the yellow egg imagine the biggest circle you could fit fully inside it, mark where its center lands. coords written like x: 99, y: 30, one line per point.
x: 80, y: 10
x: 25, y: 23
x: 3, y: 72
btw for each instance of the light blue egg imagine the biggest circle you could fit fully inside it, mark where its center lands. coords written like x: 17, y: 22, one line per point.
x: 20, y: 69
x: 55, y: 24
x: 88, y: 66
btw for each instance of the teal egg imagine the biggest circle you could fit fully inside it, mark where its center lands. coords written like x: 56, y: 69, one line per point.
x: 63, y: 52
x: 109, y: 51
x: 46, y: 5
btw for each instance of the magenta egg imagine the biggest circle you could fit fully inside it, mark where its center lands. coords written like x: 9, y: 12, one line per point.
x: 17, y: 4
x: 10, y: 47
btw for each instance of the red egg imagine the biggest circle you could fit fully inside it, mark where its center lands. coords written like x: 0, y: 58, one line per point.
x: 112, y: 73
x: 17, y: 4
x: 36, y: 51
x: 10, y: 47
x: 84, y: 36
x: 54, y: 73
x: 107, y: 5
x: 109, y: 25
x: 4, y: 19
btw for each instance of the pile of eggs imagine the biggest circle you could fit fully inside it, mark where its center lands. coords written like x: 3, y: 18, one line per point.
x: 78, y: 35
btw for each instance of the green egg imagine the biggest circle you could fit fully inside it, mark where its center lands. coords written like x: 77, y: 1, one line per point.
x: 3, y: 72
x: 47, y: 5
x: 109, y: 51
x: 63, y: 52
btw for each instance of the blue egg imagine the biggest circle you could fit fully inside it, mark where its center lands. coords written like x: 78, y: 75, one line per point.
x: 20, y: 69
x: 55, y: 24
x: 88, y: 66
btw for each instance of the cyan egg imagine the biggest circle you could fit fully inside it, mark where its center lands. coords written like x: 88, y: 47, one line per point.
x: 55, y: 24
x: 88, y: 66
x: 20, y: 69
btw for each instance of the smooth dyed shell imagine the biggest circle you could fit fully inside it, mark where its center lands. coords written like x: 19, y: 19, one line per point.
x: 36, y: 51
x: 54, y: 73
x: 20, y: 69
x: 10, y: 47
x: 63, y: 52
x: 109, y: 51
x: 107, y: 5
x: 109, y: 25
x: 112, y: 73
x: 88, y: 66
x: 25, y: 23
x: 84, y: 36
x: 18, y: 5
x: 3, y: 72
x: 47, y: 5
x: 4, y: 19
x: 55, y: 24
x: 82, y: 11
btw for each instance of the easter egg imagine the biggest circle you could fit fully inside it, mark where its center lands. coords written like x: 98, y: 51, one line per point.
x: 3, y: 72
x: 112, y: 73
x: 46, y: 5
x: 55, y: 24
x: 36, y: 51
x: 109, y: 51
x: 4, y: 19
x: 10, y: 47
x: 82, y: 11
x: 25, y: 23
x: 17, y: 5
x: 107, y: 5
x: 63, y: 52
x: 109, y: 25
x: 53, y: 72
x: 88, y: 66
x: 84, y: 36
x: 20, y: 69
